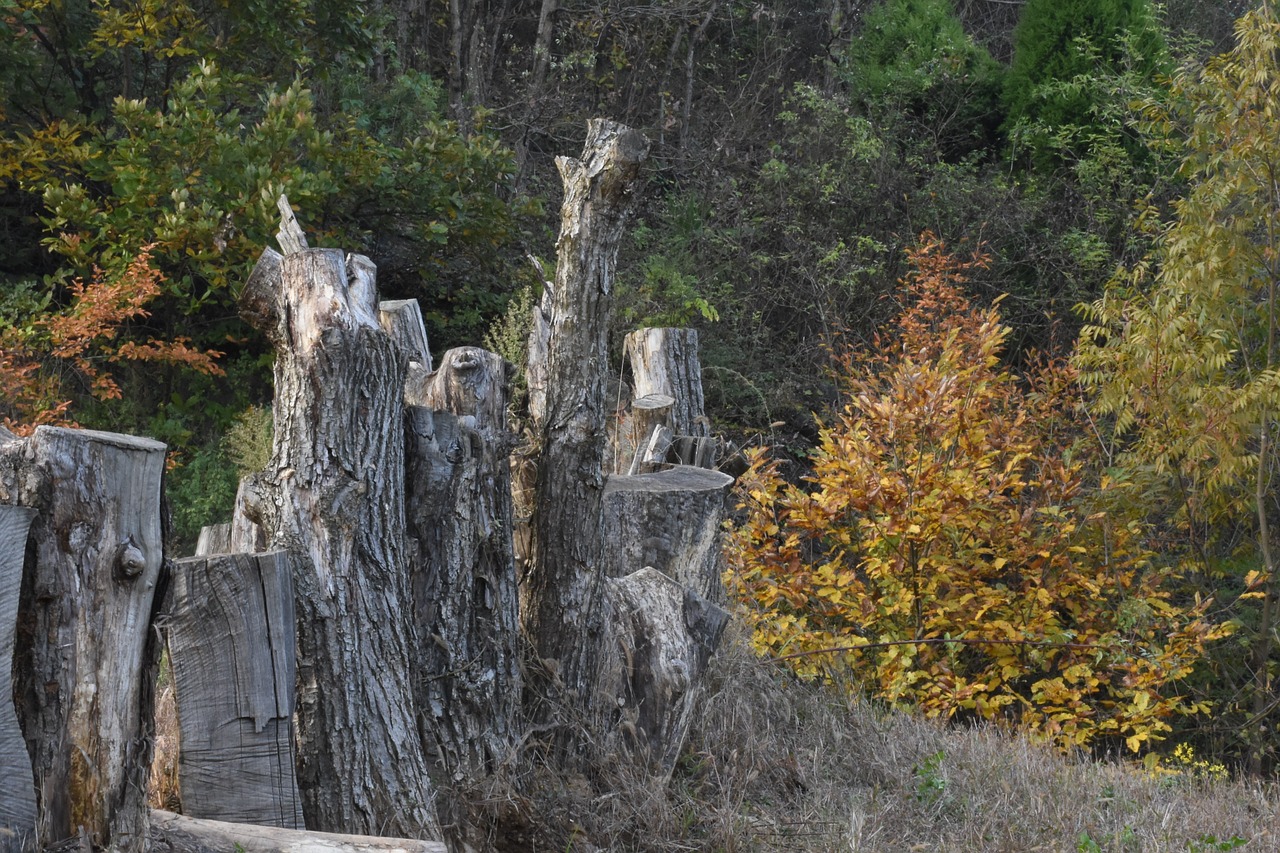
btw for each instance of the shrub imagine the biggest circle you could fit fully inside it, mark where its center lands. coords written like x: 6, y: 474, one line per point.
x: 953, y: 552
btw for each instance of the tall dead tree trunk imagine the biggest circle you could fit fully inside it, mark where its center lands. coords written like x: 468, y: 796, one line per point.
x: 230, y: 632
x: 18, y: 797
x: 467, y: 677
x: 333, y: 495
x: 85, y: 657
x: 564, y: 596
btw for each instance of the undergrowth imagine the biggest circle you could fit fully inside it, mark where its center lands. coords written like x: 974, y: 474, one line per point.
x: 772, y: 764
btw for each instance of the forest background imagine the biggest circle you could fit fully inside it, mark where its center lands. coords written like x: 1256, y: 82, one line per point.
x: 800, y: 150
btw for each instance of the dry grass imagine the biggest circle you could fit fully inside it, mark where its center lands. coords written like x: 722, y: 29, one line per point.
x: 777, y: 766
x: 772, y: 765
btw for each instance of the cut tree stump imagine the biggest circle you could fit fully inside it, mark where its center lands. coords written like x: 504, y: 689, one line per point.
x: 172, y: 833
x: 669, y: 520
x: 333, y: 496
x: 231, y: 649
x: 563, y: 597
x: 85, y: 658
x: 665, y: 362
x: 662, y: 637
x: 467, y: 676
x: 18, y: 795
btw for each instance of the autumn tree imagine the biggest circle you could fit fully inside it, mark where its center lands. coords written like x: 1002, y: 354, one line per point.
x: 53, y: 356
x: 1183, y: 350
x: 951, y: 549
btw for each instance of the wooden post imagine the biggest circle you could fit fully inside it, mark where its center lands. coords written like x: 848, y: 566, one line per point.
x: 565, y: 608
x: 467, y: 675
x: 669, y: 520
x: 333, y: 495
x: 231, y: 647
x: 85, y: 657
x: 18, y: 794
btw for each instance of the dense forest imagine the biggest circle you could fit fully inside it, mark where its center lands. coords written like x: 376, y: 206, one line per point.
x: 994, y: 282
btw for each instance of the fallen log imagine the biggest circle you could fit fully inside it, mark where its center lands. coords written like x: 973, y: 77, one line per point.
x: 172, y: 833
x: 669, y: 520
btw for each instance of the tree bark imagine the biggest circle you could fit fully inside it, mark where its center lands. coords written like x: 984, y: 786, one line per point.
x: 333, y: 495
x: 18, y: 798
x: 670, y: 521
x: 85, y: 657
x: 563, y: 597
x: 467, y: 677
x: 171, y: 833
x: 230, y: 632
x: 665, y: 361
x: 663, y: 635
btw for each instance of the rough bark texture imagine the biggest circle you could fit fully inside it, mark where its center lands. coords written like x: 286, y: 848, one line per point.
x: 665, y: 361
x: 171, y: 833
x: 333, y: 495
x: 231, y: 648
x: 564, y: 606
x: 84, y: 664
x: 669, y: 520
x: 663, y: 636
x: 18, y: 794
x: 467, y: 678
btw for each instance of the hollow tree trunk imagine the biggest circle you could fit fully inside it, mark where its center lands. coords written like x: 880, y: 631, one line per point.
x: 85, y: 657
x: 467, y: 677
x: 18, y: 795
x: 333, y: 495
x: 564, y: 599
x: 230, y: 631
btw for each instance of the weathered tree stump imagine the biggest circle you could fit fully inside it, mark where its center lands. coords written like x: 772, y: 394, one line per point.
x: 662, y: 637
x: 171, y: 833
x: 564, y: 605
x: 665, y: 362
x: 669, y: 520
x: 402, y: 318
x: 214, y: 539
x: 648, y: 413
x: 333, y: 495
x: 467, y: 676
x: 230, y: 631
x: 18, y: 795
x: 85, y: 657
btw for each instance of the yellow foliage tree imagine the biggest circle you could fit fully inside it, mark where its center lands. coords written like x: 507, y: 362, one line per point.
x: 950, y: 551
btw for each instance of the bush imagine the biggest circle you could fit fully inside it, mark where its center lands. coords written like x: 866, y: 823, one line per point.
x: 953, y: 551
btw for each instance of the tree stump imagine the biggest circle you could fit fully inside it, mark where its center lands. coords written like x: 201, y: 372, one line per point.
x: 467, y: 677
x: 665, y: 362
x: 18, y: 798
x: 564, y: 606
x: 669, y: 520
x: 663, y: 635
x: 333, y: 495
x: 231, y: 648
x: 85, y: 657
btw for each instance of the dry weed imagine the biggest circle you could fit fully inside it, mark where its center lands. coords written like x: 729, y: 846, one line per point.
x: 775, y: 765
